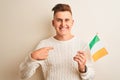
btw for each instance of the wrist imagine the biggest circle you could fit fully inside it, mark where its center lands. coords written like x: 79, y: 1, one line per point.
x: 83, y: 70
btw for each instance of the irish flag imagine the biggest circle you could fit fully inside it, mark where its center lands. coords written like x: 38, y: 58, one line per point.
x: 97, y: 49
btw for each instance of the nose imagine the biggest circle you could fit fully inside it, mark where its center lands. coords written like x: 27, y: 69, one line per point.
x: 63, y: 23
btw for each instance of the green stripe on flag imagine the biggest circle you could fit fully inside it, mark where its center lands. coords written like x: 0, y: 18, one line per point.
x: 94, y: 40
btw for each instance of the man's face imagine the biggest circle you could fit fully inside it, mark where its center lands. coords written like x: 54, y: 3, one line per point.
x: 63, y: 23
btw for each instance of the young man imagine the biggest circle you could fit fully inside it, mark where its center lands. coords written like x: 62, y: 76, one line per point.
x: 63, y: 56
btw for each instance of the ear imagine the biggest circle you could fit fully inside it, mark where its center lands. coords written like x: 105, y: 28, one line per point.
x: 53, y: 22
x: 72, y: 22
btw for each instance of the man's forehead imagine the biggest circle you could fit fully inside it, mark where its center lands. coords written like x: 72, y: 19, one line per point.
x: 63, y: 14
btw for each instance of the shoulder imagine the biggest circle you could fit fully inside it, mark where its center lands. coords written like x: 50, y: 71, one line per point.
x: 47, y: 40
x: 44, y: 42
x: 80, y: 41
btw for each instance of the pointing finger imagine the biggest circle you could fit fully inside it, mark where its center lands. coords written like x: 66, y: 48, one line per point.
x: 48, y: 48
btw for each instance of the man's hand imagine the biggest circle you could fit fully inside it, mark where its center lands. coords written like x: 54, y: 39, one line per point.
x: 41, y: 54
x: 80, y: 58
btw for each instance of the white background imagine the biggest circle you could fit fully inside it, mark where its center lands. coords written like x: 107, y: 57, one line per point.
x: 23, y: 23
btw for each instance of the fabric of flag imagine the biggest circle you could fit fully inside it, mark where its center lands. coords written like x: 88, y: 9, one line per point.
x: 97, y: 49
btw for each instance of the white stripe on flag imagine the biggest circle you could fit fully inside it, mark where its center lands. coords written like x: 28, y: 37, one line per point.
x: 97, y: 46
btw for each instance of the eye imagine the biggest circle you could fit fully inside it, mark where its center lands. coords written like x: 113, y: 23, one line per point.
x: 58, y: 20
x: 67, y: 20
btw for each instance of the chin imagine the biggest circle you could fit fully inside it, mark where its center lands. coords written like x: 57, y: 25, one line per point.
x: 63, y: 34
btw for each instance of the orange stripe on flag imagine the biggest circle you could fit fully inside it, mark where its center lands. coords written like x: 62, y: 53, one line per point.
x: 100, y: 53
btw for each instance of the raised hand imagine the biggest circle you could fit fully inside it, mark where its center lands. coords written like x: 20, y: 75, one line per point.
x: 41, y: 54
x: 80, y: 58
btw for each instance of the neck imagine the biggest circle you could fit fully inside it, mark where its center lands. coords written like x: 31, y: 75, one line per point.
x: 63, y: 38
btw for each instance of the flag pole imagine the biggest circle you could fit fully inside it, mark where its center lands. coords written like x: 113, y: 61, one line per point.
x: 97, y: 33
